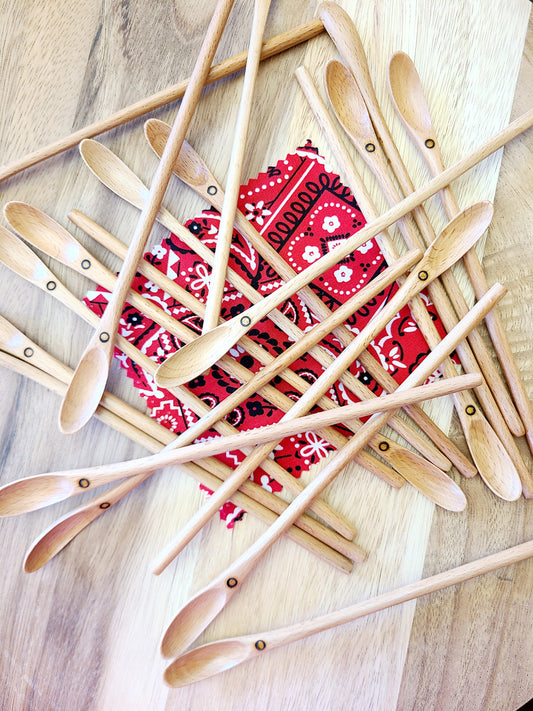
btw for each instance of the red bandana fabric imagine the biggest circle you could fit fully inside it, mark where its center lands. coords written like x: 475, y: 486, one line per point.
x: 304, y: 211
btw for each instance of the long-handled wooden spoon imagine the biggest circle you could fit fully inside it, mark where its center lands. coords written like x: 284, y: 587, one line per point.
x: 233, y: 181
x: 186, y: 363
x: 192, y: 170
x: 497, y: 444
x: 118, y: 414
x: 18, y: 257
x: 459, y: 235
x: 34, y: 492
x: 196, y: 615
x: 344, y: 34
x: 90, y: 377
x: 215, y: 657
x: 410, y: 102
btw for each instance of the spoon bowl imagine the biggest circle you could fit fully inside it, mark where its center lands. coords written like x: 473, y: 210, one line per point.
x: 206, y: 661
x: 188, y: 624
x: 190, y: 168
x: 409, y: 97
x: 345, y: 97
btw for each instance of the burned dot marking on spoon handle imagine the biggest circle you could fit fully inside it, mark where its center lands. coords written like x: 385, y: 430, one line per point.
x: 423, y: 275
x: 260, y: 645
x: 51, y: 285
x: 212, y: 190
x: 104, y: 505
x: 84, y: 483
x: 245, y: 321
x: 470, y: 410
x: 370, y: 147
x: 383, y: 446
x: 232, y: 582
x: 86, y: 264
x: 28, y: 352
x: 104, y: 337
x: 429, y: 143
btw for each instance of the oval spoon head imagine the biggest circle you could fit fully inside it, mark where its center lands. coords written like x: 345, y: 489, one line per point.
x: 188, y: 166
x: 56, y: 537
x: 433, y: 483
x: 192, y: 619
x: 17, y: 256
x: 47, y: 235
x: 85, y: 389
x: 348, y: 104
x: 113, y: 173
x: 494, y: 463
x: 206, y: 661
x: 41, y: 230
x: 30, y: 494
x: 406, y: 91
x: 458, y: 236
x: 196, y: 357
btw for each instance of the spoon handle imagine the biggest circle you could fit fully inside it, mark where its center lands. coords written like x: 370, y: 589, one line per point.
x: 429, y: 149
x: 233, y: 181
x: 272, y: 47
x: 196, y: 615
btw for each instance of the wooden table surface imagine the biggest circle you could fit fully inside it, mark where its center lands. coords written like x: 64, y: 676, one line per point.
x: 84, y: 631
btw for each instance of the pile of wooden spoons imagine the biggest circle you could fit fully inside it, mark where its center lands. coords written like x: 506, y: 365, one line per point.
x: 491, y: 411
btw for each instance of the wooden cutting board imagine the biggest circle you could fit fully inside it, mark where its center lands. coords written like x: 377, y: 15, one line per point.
x: 83, y: 633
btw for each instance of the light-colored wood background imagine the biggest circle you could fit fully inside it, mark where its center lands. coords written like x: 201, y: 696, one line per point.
x: 84, y: 632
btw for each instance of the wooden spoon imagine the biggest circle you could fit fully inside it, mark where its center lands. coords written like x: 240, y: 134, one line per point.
x: 215, y: 657
x: 35, y: 492
x: 233, y: 181
x: 457, y: 236
x: 192, y: 170
x: 410, y: 102
x: 196, y: 615
x: 490, y: 443
x: 90, y: 377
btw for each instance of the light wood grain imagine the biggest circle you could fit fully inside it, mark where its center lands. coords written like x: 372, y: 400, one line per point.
x: 84, y: 632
